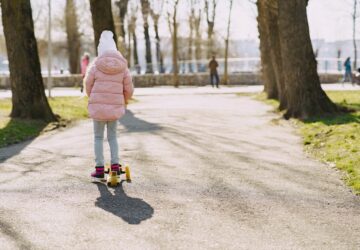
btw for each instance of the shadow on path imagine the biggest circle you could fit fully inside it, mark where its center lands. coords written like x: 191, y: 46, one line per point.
x: 131, y: 210
x: 17, y: 135
x: 134, y: 124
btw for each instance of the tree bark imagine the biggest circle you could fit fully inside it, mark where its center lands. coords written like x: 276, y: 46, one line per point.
x: 271, y: 18
x: 102, y: 19
x: 354, y: 16
x: 123, y: 6
x: 267, y: 68
x: 190, y: 46
x: 145, y: 9
x: 28, y: 95
x: 273, y: 48
x: 305, y: 98
x: 198, y: 41
x: 175, y: 46
x: 128, y: 53
x: 211, y: 24
x: 159, y: 56
x: 225, y: 77
x: 132, y: 32
x: 173, y: 27
x: 73, y: 37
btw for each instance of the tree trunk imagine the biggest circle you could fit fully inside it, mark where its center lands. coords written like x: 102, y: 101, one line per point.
x: 145, y: 9
x: 354, y: 34
x: 123, y: 6
x: 271, y: 19
x: 225, y: 77
x: 102, y: 18
x: 305, y: 98
x: 190, y: 46
x: 73, y: 37
x: 128, y: 53
x: 132, y: 33
x: 211, y: 25
x: 28, y: 95
x: 271, y: 39
x: 175, y: 48
x: 136, y: 56
x: 268, y: 72
x: 159, y: 56
x: 198, y: 41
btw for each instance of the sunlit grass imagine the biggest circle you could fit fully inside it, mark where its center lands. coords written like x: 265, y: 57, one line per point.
x: 70, y: 109
x: 16, y: 130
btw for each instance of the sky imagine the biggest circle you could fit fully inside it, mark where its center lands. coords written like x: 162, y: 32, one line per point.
x: 328, y: 19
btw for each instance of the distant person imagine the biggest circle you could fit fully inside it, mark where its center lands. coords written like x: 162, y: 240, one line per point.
x: 213, y: 65
x: 84, y: 65
x: 109, y: 86
x: 348, y: 73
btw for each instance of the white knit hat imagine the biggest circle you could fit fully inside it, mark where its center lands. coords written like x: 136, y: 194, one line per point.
x: 106, y: 42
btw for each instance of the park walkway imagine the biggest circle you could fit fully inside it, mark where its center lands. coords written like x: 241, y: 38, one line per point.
x: 182, y: 90
x: 209, y: 172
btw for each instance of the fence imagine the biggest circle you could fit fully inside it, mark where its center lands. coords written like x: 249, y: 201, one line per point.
x: 235, y: 65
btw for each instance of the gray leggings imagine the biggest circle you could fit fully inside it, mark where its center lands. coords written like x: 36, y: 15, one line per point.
x: 99, y: 128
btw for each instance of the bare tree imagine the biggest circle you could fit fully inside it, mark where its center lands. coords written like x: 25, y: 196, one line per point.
x: 210, y: 18
x: 288, y: 61
x: 355, y: 16
x: 198, y: 38
x: 156, y: 10
x: 102, y: 18
x: 225, y: 77
x: 73, y: 37
x: 145, y: 9
x: 305, y: 97
x: 132, y: 17
x: 173, y: 27
x: 123, y: 7
x: 28, y: 94
x: 271, y: 61
x: 191, y: 34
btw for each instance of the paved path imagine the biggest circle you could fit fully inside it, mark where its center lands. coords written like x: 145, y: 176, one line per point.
x: 209, y: 172
x: 166, y: 90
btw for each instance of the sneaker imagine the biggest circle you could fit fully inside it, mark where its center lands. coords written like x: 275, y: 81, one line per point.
x: 98, y: 174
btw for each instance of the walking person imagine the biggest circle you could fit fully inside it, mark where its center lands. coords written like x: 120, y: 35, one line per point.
x: 109, y: 86
x: 213, y: 65
x: 85, y: 61
x: 348, y: 73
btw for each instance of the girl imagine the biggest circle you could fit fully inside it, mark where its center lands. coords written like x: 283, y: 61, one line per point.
x: 109, y: 87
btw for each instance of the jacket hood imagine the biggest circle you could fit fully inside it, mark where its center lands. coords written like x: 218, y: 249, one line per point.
x: 111, y: 62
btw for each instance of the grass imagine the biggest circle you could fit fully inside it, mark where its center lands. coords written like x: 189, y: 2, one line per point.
x: 16, y: 130
x: 336, y: 139
x: 12, y: 130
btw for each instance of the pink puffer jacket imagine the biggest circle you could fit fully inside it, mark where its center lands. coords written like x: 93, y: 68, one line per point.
x: 109, y: 86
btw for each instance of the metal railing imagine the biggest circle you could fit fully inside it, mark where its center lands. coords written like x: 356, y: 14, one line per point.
x: 235, y: 65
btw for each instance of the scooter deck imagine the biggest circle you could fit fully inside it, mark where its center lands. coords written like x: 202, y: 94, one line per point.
x: 113, y: 179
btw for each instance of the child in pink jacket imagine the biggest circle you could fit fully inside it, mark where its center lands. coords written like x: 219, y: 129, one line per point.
x: 109, y: 87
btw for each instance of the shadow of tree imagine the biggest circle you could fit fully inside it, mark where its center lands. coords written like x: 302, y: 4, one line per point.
x: 15, y: 131
x: 345, y: 118
x: 131, y: 210
x: 135, y: 124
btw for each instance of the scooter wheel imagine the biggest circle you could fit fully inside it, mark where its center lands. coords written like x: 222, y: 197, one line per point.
x: 127, y: 173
